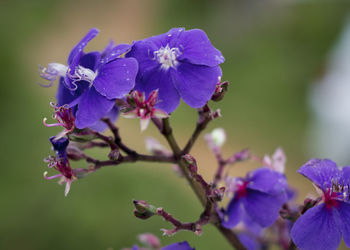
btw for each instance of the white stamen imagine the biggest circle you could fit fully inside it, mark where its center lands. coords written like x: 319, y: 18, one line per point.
x: 166, y: 56
x: 52, y: 71
x: 83, y: 74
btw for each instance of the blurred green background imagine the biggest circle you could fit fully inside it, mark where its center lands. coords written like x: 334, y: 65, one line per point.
x: 273, y: 51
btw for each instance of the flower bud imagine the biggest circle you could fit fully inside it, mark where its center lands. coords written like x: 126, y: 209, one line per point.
x: 143, y: 210
x: 74, y: 153
x: 191, y: 163
x: 218, y: 136
x: 150, y: 240
x: 81, y: 136
x: 220, y: 91
x: 114, y: 154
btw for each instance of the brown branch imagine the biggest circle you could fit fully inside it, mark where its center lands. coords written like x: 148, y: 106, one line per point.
x: 117, y: 138
x: 195, y: 185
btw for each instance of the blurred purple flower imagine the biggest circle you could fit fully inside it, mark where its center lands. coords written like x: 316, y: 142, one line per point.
x: 178, y: 63
x: 178, y: 246
x: 322, y: 226
x: 277, y: 162
x: 91, y: 82
x: 260, y: 195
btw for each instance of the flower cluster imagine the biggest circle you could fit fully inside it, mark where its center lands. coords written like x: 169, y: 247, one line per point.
x: 147, y: 79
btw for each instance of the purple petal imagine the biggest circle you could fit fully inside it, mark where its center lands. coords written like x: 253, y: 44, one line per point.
x: 196, y: 83
x: 346, y: 173
x: 321, y: 172
x: 234, y: 213
x: 170, y: 38
x: 251, y: 225
x: 107, y: 50
x: 64, y: 95
x: 197, y: 49
x: 263, y: 208
x: 344, y: 211
x: 248, y: 241
x: 82, y: 44
x: 178, y: 246
x: 143, y: 53
x: 60, y: 145
x: 90, y: 60
x: 116, y: 52
x: 317, y: 229
x: 168, y: 97
x: 117, y: 78
x: 267, y: 180
x: 112, y: 115
x: 92, y: 107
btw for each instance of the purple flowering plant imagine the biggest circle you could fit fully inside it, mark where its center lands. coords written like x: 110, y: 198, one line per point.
x: 146, y: 79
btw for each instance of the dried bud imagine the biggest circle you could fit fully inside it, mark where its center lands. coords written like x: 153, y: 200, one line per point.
x: 114, y: 154
x: 220, y: 91
x: 217, y: 194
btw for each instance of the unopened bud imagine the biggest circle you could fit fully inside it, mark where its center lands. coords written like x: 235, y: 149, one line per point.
x: 242, y: 155
x: 150, y: 240
x: 218, y: 136
x: 81, y: 136
x: 143, y: 210
x: 74, y: 153
x: 191, y: 163
x: 220, y: 91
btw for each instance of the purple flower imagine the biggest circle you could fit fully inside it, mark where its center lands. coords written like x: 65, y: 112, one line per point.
x: 322, y: 226
x: 60, y: 163
x: 174, y: 246
x: 260, y: 195
x: 178, y: 246
x: 178, y: 63
x: 91, y: 82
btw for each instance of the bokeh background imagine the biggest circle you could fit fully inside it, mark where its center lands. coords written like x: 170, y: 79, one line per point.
x: 276, y: 53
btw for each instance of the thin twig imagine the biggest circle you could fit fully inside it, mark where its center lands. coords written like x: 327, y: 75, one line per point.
x: 117, y: 138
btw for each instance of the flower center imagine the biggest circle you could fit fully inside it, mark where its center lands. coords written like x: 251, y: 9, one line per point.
x: 166, y: 56
x: 242, y: 189
x: 337, y: 192
x: 82, y: 74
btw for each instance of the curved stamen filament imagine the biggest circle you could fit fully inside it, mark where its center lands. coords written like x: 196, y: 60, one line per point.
x: 51, y: 125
